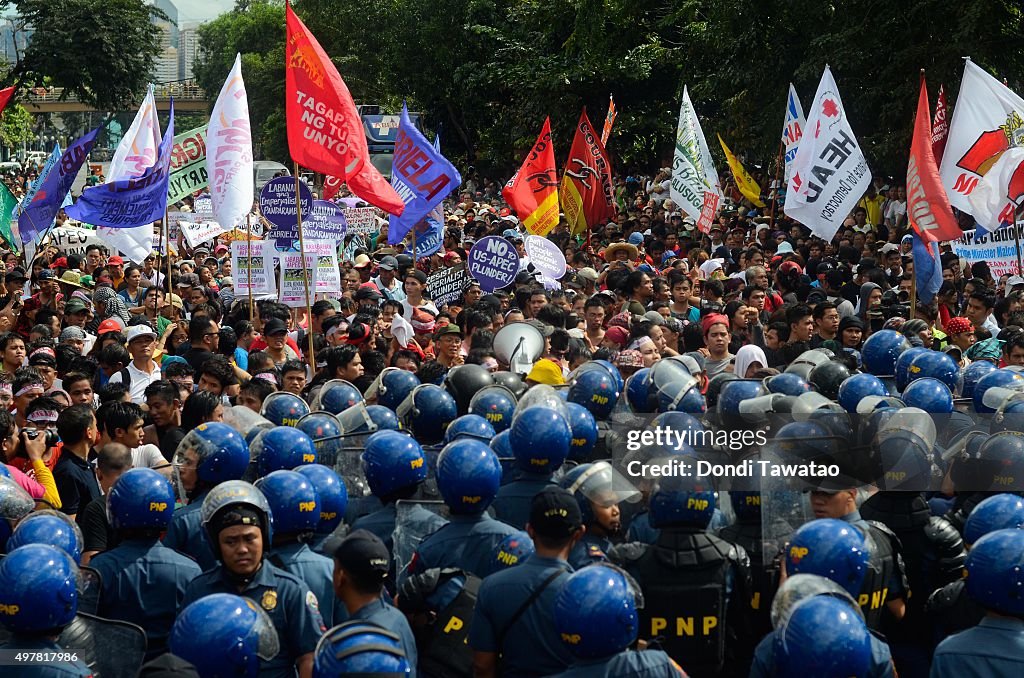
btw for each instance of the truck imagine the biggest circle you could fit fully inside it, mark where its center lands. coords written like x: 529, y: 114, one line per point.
x: 381, y: 133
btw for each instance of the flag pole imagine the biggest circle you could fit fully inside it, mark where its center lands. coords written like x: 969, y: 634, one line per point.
x: 414, y: 245
x: 305, y: 269
x: 775, y: 202
x: 913, y: 292
x: 167, y: 255
x: 1016, y: 236
x: 248, y: 260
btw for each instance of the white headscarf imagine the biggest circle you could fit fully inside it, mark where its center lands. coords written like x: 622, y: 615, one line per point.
x: 747, y: 356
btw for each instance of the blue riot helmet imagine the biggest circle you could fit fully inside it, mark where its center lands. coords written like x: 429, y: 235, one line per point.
x: 427, y: 410
x: 994, y: 567
x: 15, y: 504
x: 468, y: 476
x: 502, y: 445
x: 881, y: 351
x: 1001, y: 378
x: 1003, y: 455
x: 496, y: 404
x: 929, y: 394
x: 393, y: 386
x: 971, y: 375
x: 620, y: 383
x: 52, y: 528
x: 324, y: 429
x: 465, y: 381
x: 693, y: 433
x: 598, y: 483
x: 827, y: 377
x: 540, y: 440
x: 217, y: 451
x: 903, y: 376
x: 804, y: 441
x: 282, y: 448
x: 905, y: 439
x: 596, y: 612
x: 735, y: 392
x: 936, y: 365
x: 469, y: 426
x: 715, y: 385
x: 331, y: 493
x: 360, y: 648
x: 513, y: 550
x: 798, y: 588
x: 640, y: 393
x: 336, y: 396
x: 829, y: 548
x: 681, y: 500
x: 676, y: 389
x: 857, y: 387
x: 746, y: 505
x: 787, y: 383
x: 393, y: 462
x: 595, y: 389
x: 140, y: 499
x: 284, y: 409
x: 39, y: 587
x: 584, y: 432
x: 224, y: 636
x: 385, y: 419
x: 294, y: 504
x: 216, y: 512
x: 1000, y: 512
x: 822, y: 636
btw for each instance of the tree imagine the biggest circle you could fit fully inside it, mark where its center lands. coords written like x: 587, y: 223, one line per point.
x: 16, y: 126
x: 102, y: 51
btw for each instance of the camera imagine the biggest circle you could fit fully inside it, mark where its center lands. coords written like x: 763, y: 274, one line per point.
x: 51, y: 436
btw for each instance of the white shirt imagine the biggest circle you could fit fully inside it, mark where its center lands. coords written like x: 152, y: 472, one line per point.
x: 140, y: 380
x: 147, y: 456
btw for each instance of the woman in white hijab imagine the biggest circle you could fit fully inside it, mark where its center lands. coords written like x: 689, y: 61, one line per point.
x: 749, y: 359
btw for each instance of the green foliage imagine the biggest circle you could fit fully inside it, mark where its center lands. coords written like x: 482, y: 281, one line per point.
x: 102, y: 51
x: 16, y: 125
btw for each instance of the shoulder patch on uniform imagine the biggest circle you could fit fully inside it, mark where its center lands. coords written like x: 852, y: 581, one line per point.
x: 269, y: 600
x: 311, y: 602
x: 594, y: 551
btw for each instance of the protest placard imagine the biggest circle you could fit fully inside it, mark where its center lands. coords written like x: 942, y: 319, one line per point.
x: 256, y: 262
x: 998, y: 249
x: 545, y: 256
x: 188, y: 164
x: 326, y: 222
x: 292, y: 285
x: 445, y: 285
x: 197, y: 232
x: 73, y: 240
x: 328, y: 277
x: 493, y: 262
x: 277, y: 205
x: 360, y: 219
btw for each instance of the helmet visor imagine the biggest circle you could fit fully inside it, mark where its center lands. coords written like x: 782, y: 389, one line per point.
x: 604, y: 486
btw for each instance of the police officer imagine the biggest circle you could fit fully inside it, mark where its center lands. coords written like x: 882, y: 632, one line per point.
x: 237, y: 521
x: 995, y: 647
x: 15, y: 504
x: 360, y: 648
x: 37, y: 600
x: 596, y: 619
x: 598, y: 490
x: 209, y: 454
x: 540, y: 439
x: 468, y: 476
x: 332, y: 496
x: 360, y: 569
x: 512, y: 624
x: 746, y: 533
x: 695, y: 585
x: 295, y: 508
x: 438, y: 605
x: 224, y: 635
x: 143, y: 581
x: 52, y: 528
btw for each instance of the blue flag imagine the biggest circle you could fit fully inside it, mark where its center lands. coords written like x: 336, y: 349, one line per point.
x: 927, y: 268
x: 130, y: 202
x: 30, y: 232
x: 52, y: 194
x: 421, y: 176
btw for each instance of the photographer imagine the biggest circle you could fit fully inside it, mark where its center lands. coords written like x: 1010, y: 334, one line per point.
x: 17, y: 445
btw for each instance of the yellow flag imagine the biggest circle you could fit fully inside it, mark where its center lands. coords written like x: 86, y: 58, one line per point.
x: 748, y: 187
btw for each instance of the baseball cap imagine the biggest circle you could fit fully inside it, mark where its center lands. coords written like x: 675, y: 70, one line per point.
x: 545, y: 329
x: 75, y: 306
x: 174, y: 300
x: 115, y: 261
x: 72, y: 333
x: 137, y: 331
x: 109, y: 325
x: 362, y: 261
x: 617, y: 334
x: 61, y: 262
x: 367, y: 291
x: 655, y: 318
x: 274, y: 326
x: 546, y: 372
x: 1013, y: 281
x: 555, y: 514
x: 16, y: 273
x: 364, y: 555
x: 45, y: 274
x: 587, y: 273
x: 450, y: 328
x: 388, y: 263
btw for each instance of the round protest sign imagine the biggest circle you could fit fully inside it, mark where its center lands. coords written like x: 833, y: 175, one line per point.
x: 493, y: 262
x: 545, y: 256
x: 277, y: 205
x: 326, y: 221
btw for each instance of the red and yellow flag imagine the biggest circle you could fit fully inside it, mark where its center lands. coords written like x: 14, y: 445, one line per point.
x: 928, y: 205
x: 744, y: 182
x: 609, y: 120
x: 533, y: 190
x: 587, y: 194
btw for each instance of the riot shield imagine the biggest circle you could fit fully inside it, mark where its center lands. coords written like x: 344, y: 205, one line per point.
x: 785, y: 506
x: 414, y: 521
x: 90, y: 584
x: 110, y: 648
x: 349, y: 465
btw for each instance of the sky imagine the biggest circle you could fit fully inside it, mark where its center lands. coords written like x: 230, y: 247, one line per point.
x: 201, y: 10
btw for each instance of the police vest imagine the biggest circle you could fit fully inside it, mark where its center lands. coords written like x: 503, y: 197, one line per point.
x: 447, y: 651
x: 882, y: 567
x: 683, y: 579
x: 764, y: 580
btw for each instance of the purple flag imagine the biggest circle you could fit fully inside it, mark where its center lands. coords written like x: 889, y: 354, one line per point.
x: 47, y: 201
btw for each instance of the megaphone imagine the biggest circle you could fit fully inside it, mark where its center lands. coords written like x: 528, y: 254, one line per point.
x: 519, y: 345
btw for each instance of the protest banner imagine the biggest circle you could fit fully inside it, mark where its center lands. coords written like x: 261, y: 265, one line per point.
x: 188, y: 164
x: 493, y: 262
x: 196, y: 232
x: 328, y: 277
x: 997, y: 249
x: 73, y: 240
x: 326, y: 222
x: 277, y: 205
x: 257, y: 258
x: 292, y: 285
x: 445, y: 285
x: 360, y: 219
x: 545, y: 256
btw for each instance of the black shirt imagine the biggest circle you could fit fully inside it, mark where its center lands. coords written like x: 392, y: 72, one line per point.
x: 76, y: 483
x: 196, y: 357
x: 169, y: 439
x: 96, y: 531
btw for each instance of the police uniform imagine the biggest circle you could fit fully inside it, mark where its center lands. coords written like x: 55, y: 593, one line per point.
x: 764, y: 659
x: 292, y: 607
x: 317, y: 572
x: 450, y: 596
x: 512, y: 503
x: 640, y: 527
x: 65, y: 669
x: 144, y: 582
x: 590, y: 549
x: 359, y: 507
x: 646, y: 664
x: 186, y: 534
x: 384, y: 615
x: 886, y: 578
x: 529, y: 644
x: 382, y: 522
x: 993, y: 649
x: 951, y: 610
x: 764, y: 580
x: 467, y: 542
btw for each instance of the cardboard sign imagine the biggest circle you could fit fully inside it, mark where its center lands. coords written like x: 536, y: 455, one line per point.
x: 361, y: 219
x: 445, y: 285
x: 198, y: 232
x: 257, y: 263
x: 998, y: 249
x: 277, y: 205
x: 328, y: 277
x: 545, y: 256
x: 73, y: 240
x: 292, y: 284
x: 326, y: 222
x: 493, y: 262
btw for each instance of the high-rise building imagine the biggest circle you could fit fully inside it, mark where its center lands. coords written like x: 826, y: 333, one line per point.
x: 166, y: 67
x: 168, y: 8
x: 188, y: 47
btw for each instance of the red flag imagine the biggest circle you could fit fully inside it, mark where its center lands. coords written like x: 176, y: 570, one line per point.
x: 609, y: 120
x: 940, y: 125
x: 927, y: 205
x: 325, y: 132
x: 586, y: 192
x: 332, y: 185
x: 533, y: 190
x: 5, y: 97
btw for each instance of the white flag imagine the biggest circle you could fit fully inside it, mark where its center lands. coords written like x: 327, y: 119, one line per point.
x: 792, y: 130
x: 830, y: 172
x: 135, y: 154
x: 990, y: 201
x: 988, y: 119
x: 229, y: 152
x: 693, y: 173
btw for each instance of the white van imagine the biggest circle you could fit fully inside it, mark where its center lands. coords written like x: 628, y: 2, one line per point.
x: 264, y: 170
